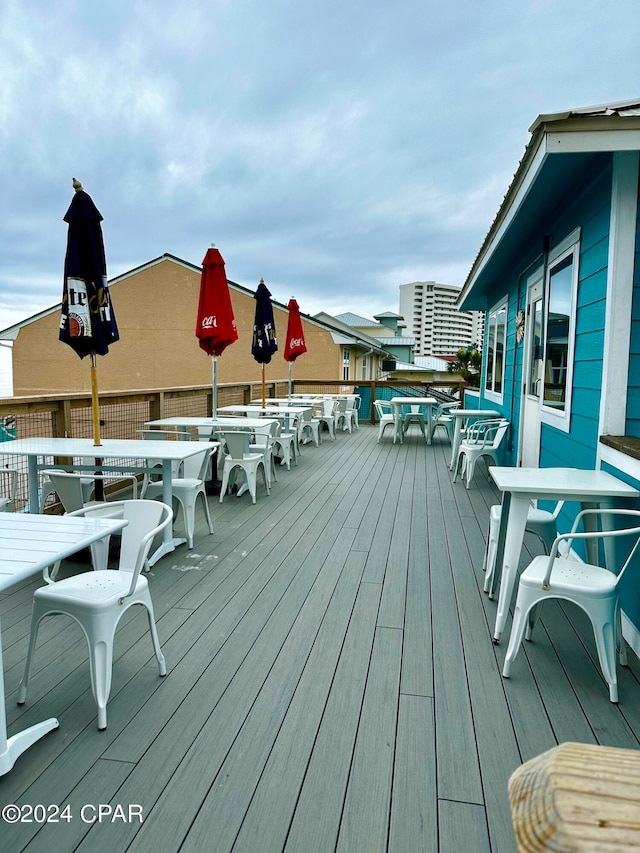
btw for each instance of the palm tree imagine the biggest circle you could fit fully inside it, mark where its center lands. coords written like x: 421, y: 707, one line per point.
x: 467, y: 365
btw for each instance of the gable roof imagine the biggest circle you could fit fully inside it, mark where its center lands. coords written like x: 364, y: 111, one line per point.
x: 563, y: 147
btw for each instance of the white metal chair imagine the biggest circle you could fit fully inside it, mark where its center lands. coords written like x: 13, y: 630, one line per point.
x: 344, y: 414
x: 264, y: 439
x: 239, y: 455
x: 591, y: 587
x: 415, y: 415
x: 310, y: 425
x: 539, y: 522
x: 8, y: 488
x: 286, y: 442
x: 441, y: 419
x: 97, y: 600
x: 385, y: 415
x: 187, y: 488
x: 328, y: 417
x: 483, y: 438
x: 74, y: 495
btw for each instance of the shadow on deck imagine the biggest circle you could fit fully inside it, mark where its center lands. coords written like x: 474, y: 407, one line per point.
x: 332, y: 682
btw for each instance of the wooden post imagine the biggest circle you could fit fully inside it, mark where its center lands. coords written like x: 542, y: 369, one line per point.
x: 577, y: 797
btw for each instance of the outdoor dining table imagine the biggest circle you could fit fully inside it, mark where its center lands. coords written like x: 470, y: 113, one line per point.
x: 227, y: 422
x: 425, y: 403
x: 519, y: 486
x: 275, y: 410
x: 460, y: 415
x: 126, y: 455
x: 29, y: 544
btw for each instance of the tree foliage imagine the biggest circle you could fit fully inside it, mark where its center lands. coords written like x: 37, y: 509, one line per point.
x: 467, y: 364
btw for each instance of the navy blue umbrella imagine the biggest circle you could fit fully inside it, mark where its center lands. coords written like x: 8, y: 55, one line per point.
x: 87, y: 322
x: 264, y: 343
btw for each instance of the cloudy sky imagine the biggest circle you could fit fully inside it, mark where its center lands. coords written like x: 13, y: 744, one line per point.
x: 338, y: 148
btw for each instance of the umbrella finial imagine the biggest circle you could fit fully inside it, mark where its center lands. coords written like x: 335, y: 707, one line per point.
x: 76, y: 185
x: 261, y: 280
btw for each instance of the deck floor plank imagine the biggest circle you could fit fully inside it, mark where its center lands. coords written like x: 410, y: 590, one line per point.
x: 332, y: 682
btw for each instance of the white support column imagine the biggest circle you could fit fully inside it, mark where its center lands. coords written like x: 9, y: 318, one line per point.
x: 617, y: 331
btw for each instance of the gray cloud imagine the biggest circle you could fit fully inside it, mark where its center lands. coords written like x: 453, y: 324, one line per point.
x: 339, y: 149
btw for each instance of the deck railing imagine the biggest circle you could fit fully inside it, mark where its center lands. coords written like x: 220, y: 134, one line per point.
x: 122, y: 413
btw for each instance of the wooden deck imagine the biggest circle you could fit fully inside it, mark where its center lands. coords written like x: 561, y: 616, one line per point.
x: 332, y: 683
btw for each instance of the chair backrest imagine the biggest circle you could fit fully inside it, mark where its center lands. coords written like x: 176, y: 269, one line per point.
x: 68, y: 487
x: 8, y: 483
x: 488, y: 432
x: 328, y: 407
x: 383, y: 407
x: 236, y: 442
x: 597, y: 534
x: 195, y: 467
x: 341, y: 406
x: 145, y: 520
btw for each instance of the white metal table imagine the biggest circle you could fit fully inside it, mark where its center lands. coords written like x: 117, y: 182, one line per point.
x: 460, y: 415
x: 519, y: 486
x: 425, y: 403
x: 28, y: 544
x: 230, y: 422
x: 126, y: 455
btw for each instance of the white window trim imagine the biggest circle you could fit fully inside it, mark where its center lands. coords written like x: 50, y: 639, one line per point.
x: 570, y: 245
x: 490, y: 394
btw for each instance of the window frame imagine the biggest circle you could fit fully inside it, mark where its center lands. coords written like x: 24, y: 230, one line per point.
x: 491, y: 322
x: 567, y: 248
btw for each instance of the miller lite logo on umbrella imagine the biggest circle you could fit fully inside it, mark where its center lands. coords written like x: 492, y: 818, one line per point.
x: 87, y: 322
x: 295, y: 344
x: 215, y: 324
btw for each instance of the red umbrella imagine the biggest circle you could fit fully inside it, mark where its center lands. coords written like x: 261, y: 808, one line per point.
x: 295, y: 344
x: 215, y: 325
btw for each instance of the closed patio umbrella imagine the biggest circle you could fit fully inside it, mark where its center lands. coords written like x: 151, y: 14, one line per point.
x: 215, y: 324
x: 295, y: 344
x: 265, y: 343
x: 87, y: 322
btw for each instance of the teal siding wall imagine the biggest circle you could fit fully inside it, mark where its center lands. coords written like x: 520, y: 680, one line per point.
x: 630, y: 587
x: 633, y: 379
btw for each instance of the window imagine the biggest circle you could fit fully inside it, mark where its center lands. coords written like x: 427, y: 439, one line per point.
x: 346, y: 360
x: 496, y: 336
x: 561, y: 287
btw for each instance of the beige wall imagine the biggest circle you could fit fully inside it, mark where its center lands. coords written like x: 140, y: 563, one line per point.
x: 156, y: 310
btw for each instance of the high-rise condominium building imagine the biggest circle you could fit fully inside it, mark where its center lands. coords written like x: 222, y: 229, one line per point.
x: 432, y: 318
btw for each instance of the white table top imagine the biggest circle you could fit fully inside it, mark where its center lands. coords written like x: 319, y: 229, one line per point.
x: 566, y: 483
x: 251, y: 409
x: 30, y: 543
x: 413, y: 401
x: 474, y: 413
x: 110, y: 448
x: 219, y: 423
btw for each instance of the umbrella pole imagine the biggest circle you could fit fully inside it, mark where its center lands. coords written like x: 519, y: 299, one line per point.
x: 264, y: 394
x: 290, y: 386
x: 214, y: 382
x: 94, y: 401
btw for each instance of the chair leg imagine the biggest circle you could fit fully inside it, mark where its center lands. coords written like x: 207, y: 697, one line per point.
x: 100, y: 667
x: 205, y: 504
x: 162, y: 664
x: 36, y: 617
x: 490, y: 553
x: 524, y: 602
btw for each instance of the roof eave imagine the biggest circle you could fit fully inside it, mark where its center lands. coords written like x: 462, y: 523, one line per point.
x: 552, y: 135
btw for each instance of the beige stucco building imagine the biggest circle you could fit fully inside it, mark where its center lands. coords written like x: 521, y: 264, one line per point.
x: 155, y: 307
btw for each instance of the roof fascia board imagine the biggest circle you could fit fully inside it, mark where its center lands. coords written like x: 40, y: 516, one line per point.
x: 582, y: 141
